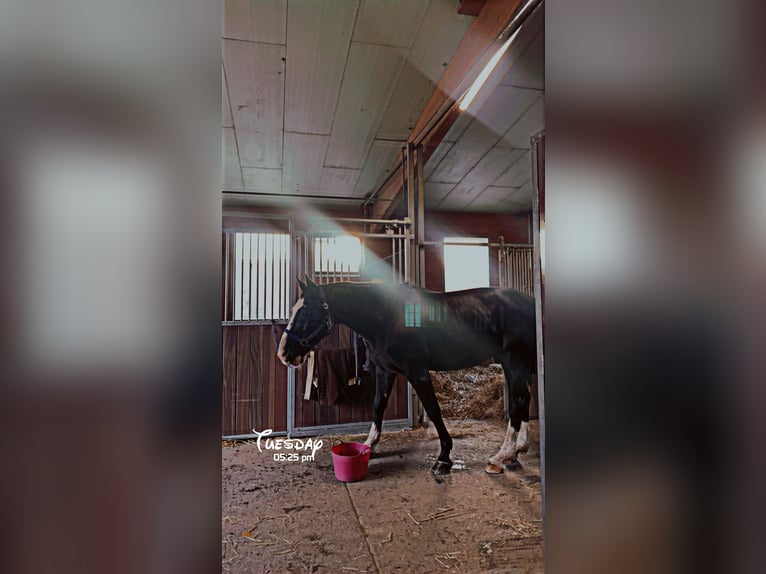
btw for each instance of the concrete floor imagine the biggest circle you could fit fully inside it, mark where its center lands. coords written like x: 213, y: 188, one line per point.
x: 295, y: 517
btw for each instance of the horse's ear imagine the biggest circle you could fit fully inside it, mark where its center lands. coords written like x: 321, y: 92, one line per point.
x: 309, y: 282
x: 301, y: 287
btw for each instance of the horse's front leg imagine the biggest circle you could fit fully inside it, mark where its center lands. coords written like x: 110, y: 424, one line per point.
x: 425, y: 390
x: 384, y: 383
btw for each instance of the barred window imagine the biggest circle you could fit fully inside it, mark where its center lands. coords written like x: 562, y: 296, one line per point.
x: 337, y: 258
x: 261, y: 276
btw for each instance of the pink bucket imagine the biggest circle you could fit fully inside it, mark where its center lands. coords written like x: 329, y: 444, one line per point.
x: 350, y: 460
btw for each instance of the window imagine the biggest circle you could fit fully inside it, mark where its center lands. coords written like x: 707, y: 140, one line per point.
x: 337, y: 257
x: 261, y: 276
x: 465, y: 265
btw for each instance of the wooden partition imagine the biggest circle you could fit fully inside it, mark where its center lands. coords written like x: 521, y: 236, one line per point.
x: 254, y: 381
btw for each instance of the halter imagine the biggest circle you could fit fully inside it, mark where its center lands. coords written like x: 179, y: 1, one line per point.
x: 309, y: 341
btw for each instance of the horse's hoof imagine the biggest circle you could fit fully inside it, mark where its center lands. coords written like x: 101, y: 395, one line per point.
x: 513, y: 465
x: 492, y: 469
x: 441, y: 467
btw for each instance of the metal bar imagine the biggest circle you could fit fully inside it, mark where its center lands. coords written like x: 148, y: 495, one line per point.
x: 328, y: 234
x: 335, y: 263
x: 410, y: 181
x: 253, y: 236
x: 250, y: 436
x: 303, y: 196
x: 351, y: 428
x: 245, y: 273
x: 281, y: 304
x: 486, y: 244
x: 538, y: 275
x: 420, y: 223
x: 363, y: 220
x: 271, y: 269
x: 259, y: 262
x: 321, y: 260
x: 293, y: 241
x: 237, y: 272
x: 402, y: 260
x: 226, y: 277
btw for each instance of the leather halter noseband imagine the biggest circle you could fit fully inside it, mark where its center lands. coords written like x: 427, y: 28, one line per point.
x: 309, y: 341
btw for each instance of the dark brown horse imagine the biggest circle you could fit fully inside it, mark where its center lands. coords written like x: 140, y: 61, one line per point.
x: 413, y: 331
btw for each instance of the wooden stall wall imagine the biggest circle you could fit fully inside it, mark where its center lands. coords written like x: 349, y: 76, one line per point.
x: 254, y: 381
x: 514, y: 228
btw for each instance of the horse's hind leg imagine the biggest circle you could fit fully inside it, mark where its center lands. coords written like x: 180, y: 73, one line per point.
x: 425, y: 390
x: 384, y: 382
x: 516, y: 438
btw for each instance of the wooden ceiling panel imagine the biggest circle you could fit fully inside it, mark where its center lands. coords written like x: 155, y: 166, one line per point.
x: 489, y: 168
x: 391, y: 23
x: 495, y: 195
x: 258, y: 179
x: 406, y: 104
x: 523, y: 195
x: 226, y: 120
x: 433, y: 162
x: 517, y: 174
x: 303, y: 162
x: 382, y: 156
x: 371, y: 74
x: 261, y: 21
x: 437, y: 39
x: 502, y: 110
x: 339, y: 181
x: 529, y: 71
x: 435, y: 194
x: 318, y: 37
x: 255, y: 76
x: 231, y: 173
x: 533, y: 120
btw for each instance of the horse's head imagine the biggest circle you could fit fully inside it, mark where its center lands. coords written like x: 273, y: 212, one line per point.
x: 310, y: 322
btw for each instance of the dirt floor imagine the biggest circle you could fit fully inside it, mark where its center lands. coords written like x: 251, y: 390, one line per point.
x: 283, y: 516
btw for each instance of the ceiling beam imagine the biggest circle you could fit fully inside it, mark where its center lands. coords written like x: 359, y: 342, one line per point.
x: 440, y: 110
x: 470, y: 7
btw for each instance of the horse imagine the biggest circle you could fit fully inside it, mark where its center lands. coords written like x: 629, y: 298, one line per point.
x: 412, y: 331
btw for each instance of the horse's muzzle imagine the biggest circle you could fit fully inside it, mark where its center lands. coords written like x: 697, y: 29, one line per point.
x: 292, y: 361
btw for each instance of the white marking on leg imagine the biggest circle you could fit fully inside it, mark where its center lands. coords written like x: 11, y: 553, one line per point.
x: 508, y: 449
x: 373, y: 437
x: 521, y: 440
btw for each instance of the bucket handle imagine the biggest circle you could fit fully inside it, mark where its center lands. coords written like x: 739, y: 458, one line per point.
x: 365, y: 452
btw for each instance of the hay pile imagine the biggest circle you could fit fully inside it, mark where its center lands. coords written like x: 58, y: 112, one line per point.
x: 475, y: 393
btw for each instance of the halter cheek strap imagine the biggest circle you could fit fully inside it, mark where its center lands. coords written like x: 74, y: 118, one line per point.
x: 317, y: 335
